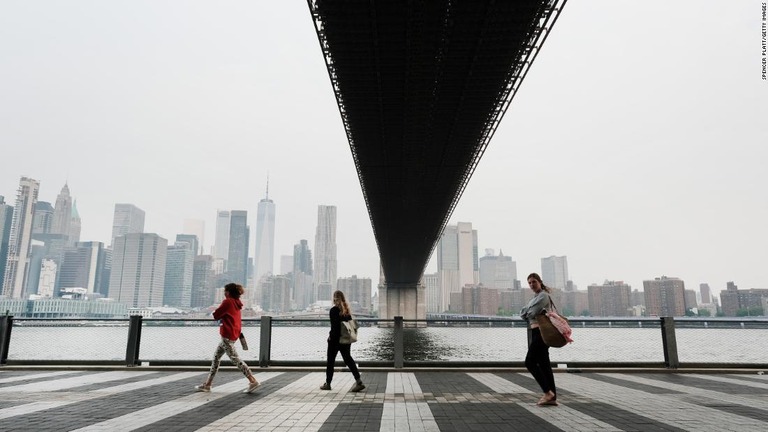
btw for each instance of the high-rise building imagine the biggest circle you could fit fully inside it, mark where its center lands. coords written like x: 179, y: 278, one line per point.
x: 42, y: 219
x: 62, y: 214
x: 611, y: 299
x: 476, y: 300
x: 47, y: 278
x: 190, y: 239
x: 457, y: 264
x: 6, y: 217
x: 358, y: 293
x: 128, y: 219
x: 203, y: 282
x: 276, y: 294
x: 137, y: 278
x: 237, y: 257
x: 83, y: 267
x: 497, y: 271
x: 303, y: 293
x: 221, y: 247
x: 325, y: 250
x: 196, y: 227
x: 179, y: 271
x: 265, y: 238
x: 706, y: 293
x: 286, y: 264
x: 75, y: 226
x: 690, y: 300
x: 20, y: 239
x: 664, y: 297
x: 554, y: 272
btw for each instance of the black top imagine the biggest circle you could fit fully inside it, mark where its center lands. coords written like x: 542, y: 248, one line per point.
x: 336, y: 319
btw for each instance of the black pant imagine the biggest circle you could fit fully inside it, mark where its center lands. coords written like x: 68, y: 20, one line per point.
x: 537, y: 362
x: 333, y: 349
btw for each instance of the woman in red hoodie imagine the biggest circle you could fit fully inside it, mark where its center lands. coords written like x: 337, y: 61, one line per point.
x: 228, y: 314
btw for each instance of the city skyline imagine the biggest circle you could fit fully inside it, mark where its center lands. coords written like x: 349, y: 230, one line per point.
x: 623, y: 150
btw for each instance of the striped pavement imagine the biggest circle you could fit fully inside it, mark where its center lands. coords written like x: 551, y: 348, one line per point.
x: 165, y: 400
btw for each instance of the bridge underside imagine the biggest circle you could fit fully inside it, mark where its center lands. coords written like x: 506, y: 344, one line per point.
x: 421, y: 87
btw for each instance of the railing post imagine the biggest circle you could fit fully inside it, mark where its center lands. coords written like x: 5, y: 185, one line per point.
x: 265, y: 344
x: 398, y: 342
x: 669, y: 342
x: 6, y: 324
x: 134, y: 341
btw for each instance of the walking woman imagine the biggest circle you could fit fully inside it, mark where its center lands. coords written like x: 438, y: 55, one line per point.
x: 228, y: 314
x: 537, y: 359
x: 340, y: 312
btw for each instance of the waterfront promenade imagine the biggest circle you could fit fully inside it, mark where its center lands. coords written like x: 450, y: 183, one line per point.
x: 163, y: 399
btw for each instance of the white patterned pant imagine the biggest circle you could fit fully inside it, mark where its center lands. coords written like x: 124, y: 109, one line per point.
x: 227, y: 346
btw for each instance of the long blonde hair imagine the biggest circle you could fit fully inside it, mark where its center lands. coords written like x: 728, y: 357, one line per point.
x: 341, y: 301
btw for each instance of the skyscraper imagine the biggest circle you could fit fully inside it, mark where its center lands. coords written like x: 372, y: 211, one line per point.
x: 325, y: 249
x: 457, y: 264
x: 83, y: 266
x: 137, y: 278
x: 128, y: 219
x: 237, y: 257
x: 497, y: 271
x: 192, y: 240
x: 221, y: 248
x: 706, y: 293
x: 303, y: 289
x: 265, y: 238
x: 202, y: 282
x: 612, y: 298
x: 74, y: 226
x: 6, y: 217
x: 62, y: 214
x: 196, y: 227
x: 179, y: 270
x: 20, y: 239
x: 554, y: 272
x: 42, y: 219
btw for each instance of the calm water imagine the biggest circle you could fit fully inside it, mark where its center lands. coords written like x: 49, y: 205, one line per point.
x: 432, y: 344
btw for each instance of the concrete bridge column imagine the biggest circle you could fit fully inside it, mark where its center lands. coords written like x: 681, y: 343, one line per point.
x: 406, y: 300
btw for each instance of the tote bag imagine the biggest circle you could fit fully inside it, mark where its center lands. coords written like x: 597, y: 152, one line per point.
x: 554, y: 328
x: 348, y: 332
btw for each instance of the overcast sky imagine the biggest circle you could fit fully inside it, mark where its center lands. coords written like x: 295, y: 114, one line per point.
x: 637, y: 145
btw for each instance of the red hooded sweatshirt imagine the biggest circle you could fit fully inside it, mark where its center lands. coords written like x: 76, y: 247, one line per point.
x: 229, y: 314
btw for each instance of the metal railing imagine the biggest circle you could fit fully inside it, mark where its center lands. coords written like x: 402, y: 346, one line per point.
x: 398, y: 343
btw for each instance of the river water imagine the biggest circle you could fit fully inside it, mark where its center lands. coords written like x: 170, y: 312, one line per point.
x: 446, y: 344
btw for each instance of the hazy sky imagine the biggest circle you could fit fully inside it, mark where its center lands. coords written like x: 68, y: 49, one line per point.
x: 637, y: 145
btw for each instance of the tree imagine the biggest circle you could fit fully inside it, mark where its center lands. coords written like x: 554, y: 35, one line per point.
x: 705, y: 312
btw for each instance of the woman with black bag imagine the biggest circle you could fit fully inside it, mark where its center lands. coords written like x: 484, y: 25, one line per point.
x: 340, y: 312
x: 537, y: 359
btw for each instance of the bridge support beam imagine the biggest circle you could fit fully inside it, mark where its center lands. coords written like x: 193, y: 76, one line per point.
x: 405, y: 300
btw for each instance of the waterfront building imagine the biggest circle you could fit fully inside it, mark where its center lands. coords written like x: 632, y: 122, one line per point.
x: 46, y: 284
x: 127, y: 219
x: 42, y: 219
x: 736, y: 302
x: 611, y: 299
x: 83, y: 267
x: 690, y: 299
x: 6, y: 217
x: 276, y: 294
x: 497, y: 271
x: 196, y: 227
x: 476, y: 300
x: 554, y: 272
x: 325, y: 252
x: 137, y: 278
x: 221, y: 242
x: 37, y: 307
x: 358, y: 293
x: 20, y: 239
x: 203, y: 282
x: 706, y: 293
x: 237, y: 257
x: 179, y: 269
x: 265, y: 238
x: 457, y: 264
x: 664, y: 297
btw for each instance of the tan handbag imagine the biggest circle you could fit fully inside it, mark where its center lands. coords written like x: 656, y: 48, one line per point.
x: 551, y: 334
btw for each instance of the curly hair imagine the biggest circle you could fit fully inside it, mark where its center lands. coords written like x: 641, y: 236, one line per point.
x: 234, y: 290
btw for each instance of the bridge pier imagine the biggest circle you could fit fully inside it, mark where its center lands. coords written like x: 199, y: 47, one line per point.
x: 405, y: 300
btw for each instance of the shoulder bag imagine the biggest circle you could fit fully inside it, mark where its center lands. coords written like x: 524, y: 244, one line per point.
x: 348, y: 331
x: 554, y: 328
